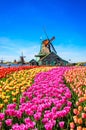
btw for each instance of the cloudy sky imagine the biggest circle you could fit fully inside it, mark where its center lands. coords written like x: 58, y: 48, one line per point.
x: 22, y: 23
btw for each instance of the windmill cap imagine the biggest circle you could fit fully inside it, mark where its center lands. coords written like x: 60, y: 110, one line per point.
x: 46, y: 42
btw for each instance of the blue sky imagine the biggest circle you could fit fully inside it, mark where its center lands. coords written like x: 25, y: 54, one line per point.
x: 22, y: 22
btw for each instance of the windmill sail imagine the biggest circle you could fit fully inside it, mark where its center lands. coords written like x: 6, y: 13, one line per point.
x: 53, y: 48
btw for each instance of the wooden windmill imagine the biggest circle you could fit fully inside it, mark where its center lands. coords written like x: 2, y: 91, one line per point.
x: 46, y: 47
x: 48, y: 55
x: 1, y: 61
x: 22, y: 59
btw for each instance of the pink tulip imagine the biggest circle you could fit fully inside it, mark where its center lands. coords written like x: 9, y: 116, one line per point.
x: 2, y: 116
x: 48, y: 126
x: 61, y: 124
x: 18, y: 114
x: 0, y: 125
x: 16, y: 127
x: 8, y: 122
x: 11, y: 106
x: 37, y: 116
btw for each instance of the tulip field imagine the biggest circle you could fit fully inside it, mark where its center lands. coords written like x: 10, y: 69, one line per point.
x: 43, y: 98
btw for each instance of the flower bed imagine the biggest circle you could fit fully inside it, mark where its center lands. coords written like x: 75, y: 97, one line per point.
x: 39, y: 100
x: 9, y: 70
x: 12, y: 86
x: 76, y: 77
x: 45, y: 105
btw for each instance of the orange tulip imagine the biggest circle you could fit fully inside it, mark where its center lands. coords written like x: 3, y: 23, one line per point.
x: 83, y: 115
x: 80, y: 100
x: 80, y: 121
x: 77, y: 103
x: 75, y: 118
x: 79, y: 128
x: 85, y: 109
x: 83, y: 128
x: 80, y: 108
x: 72, y: 125
x: 75, y: 111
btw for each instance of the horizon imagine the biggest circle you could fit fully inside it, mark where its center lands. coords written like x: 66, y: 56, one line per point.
x: 22, y: 25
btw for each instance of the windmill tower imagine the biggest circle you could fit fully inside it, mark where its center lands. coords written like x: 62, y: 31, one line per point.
x: 1, y: 61
x: 22, y: 59
x: 46, y: 48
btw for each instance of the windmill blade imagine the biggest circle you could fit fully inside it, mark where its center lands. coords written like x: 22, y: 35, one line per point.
x: 53, y: 48
x: 52, y: 39
x: 45, y: 33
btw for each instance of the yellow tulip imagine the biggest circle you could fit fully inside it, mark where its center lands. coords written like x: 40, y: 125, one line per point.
x: 14, y: 99
x: 6, y: 101
x: 7, y: 90
x: 3, y: 97
x: 1, y: 106
x: 7, y: 97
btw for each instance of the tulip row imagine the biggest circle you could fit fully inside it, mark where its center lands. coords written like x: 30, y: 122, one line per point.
x: 14, y: 84
x: 5, y: 71
x: 45, y: 105
x: 76, y: 77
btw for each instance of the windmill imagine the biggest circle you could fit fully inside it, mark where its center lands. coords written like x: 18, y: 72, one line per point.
x: 1, y: 61
x: 46, y: 47
x: 47, y: 54
x: 22, y: 59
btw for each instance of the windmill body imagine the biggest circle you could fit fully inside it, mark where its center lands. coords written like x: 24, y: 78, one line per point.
x: 22, y: 61
x: 46, y: 48
x: 2, y: 61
